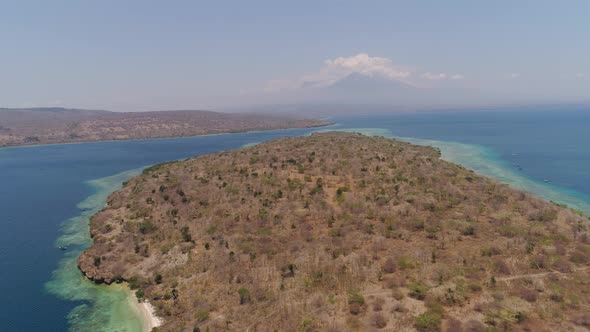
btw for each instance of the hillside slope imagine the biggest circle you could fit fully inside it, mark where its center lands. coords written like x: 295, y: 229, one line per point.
x: 341, y: 232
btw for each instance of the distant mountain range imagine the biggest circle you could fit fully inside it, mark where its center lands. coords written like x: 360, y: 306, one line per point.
x: 357, y: 88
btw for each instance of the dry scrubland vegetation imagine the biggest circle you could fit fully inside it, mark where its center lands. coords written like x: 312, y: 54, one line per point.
x: 59, y: 125
x: 341, y: 232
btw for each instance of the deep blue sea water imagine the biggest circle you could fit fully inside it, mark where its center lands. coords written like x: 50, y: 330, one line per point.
x: 48, y: 192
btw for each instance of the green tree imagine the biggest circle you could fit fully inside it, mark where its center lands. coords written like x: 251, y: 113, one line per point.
x: 244, y: 295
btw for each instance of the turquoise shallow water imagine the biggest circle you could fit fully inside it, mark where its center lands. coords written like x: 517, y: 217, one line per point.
x: 540, y: 143
x: 103, y: 308
x: 51, y: 191
x: 47, y: 196
x: 486, y: 162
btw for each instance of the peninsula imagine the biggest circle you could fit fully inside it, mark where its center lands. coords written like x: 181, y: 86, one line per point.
x: 341, y: 232
x: 35, y: 126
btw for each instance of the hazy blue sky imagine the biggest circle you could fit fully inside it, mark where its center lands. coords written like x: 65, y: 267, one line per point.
x: 136, y: 55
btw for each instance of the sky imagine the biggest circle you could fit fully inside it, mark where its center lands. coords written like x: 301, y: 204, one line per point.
x: 153, y: 55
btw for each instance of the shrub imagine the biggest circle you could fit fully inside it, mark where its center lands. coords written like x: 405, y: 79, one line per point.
x: 139, y: 294
x: 530, y: 246
x: 490, y: 251
x: 378, y: 304
x: 389, y: 266
x: 475, y: 288
x: 528, y: 295
x: 355, y: 308
x: 107, y: 228
x: 356, y: 302
x: 453, y: 325
x: 212, y: 229
x: 544, y: 215
x: 186, y: 235
x: 306, y: 325
x: 474, y: 325
x: 397, y: 294
x: 405, y: 263
x: 418, y: 290
x: 582, y: 319
x: 202, y: 315
x: 428, y: 321
x: 133, y: 282
x: 340, y: 191
x: 399, y: 307
x: 379, y: 321
x: 538, y: 262
x: 289, y: 270
x: 355, y: 297
x: 562, y: 265
x: 579, y: 257
x: 469, y: 231
x: 244, y: 295
x: 146, y: 227
x: 556, y: 297
x: 174, y: 293
x: 500, y: 266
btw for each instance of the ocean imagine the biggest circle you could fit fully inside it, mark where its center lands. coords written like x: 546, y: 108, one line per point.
x: 49, y: 192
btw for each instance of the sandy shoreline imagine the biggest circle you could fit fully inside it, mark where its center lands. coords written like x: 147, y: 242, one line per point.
x: 146, y: 313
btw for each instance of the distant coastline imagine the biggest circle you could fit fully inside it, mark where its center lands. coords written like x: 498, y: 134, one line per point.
x: 34, y: 127
x: 327, y: 124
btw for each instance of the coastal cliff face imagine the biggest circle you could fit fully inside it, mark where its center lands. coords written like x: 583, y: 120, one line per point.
x: 339, y: 232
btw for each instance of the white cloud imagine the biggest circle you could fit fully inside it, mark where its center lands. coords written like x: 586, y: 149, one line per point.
x: 442, y: 76
x: 364, y: 64
x: 434, y: 77
x: 340, y: 67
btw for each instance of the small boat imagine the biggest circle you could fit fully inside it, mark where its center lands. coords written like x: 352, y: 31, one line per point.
x: 545, y: 180
x: 63, y: 248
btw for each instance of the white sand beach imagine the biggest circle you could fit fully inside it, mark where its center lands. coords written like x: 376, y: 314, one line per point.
x: 146, y: 312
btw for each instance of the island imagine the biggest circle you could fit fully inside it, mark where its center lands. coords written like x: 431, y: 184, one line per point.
x: 35, y: 126
x: 341, y: 232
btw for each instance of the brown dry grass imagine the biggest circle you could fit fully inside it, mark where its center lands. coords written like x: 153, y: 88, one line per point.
x: 340, y: 231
